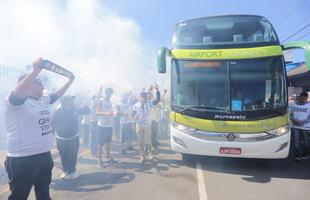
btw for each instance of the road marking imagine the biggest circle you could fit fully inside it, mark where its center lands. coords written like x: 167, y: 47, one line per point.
x: 201, y: 182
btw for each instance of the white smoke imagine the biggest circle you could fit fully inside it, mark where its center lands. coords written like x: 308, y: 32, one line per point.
x: 91, y: 40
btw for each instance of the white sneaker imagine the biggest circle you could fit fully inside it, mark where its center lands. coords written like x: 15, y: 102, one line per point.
x: 64, y: 175
x: 142, y: 160
x: 151, y: 157
x: 112, y: 161
x: 73, y: 175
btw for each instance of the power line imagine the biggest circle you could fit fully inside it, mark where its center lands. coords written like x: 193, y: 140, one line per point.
x: 290, y: 12
x: 302, y: 22
x: 303, y: 28
x: 303, y: 36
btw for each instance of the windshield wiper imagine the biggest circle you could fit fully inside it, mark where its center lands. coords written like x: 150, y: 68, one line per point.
x: 199, y: 107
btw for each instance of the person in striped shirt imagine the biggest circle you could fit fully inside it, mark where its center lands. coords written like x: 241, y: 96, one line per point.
x: 143, y: 122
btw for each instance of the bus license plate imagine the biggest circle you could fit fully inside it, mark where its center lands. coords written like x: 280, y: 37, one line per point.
x: 230, y: 150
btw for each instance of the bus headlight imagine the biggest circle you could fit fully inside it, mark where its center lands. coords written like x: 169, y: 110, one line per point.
x: 280, y: 131
x: 181, y: 127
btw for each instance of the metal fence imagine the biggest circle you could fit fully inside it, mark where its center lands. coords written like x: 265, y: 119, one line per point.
x: 8, y: 80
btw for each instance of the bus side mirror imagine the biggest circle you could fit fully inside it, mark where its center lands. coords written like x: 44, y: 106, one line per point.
x: 161, y: 60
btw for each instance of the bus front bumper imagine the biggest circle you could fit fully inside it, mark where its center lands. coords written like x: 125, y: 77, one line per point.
x: 272, y: 148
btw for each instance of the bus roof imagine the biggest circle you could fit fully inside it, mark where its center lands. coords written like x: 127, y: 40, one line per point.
x: 219, y: 16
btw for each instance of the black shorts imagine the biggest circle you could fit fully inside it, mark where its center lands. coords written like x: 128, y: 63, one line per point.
x: 128, y: 132
x: 105, y: 135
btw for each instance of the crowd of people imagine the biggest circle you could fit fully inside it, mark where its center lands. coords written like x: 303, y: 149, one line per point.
x: 135, y: 119
x: 32, y: 127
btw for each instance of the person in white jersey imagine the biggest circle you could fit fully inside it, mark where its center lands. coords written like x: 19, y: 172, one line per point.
x: 105, y: 126
x: 300, y: 117
x: 30, y: 136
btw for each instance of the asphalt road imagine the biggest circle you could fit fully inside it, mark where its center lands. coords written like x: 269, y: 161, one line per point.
x: 169, y: 178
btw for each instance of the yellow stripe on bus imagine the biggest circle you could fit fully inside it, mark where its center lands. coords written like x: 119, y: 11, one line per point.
x: 220, y: 54
x: 230, y: 126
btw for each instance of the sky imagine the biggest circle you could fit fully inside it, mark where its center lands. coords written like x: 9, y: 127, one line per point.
x: 114, y: 42
x: 157, y: 18
x: 97, y: 44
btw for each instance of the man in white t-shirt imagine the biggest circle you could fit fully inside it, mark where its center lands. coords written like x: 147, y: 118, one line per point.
x: 300, y: 117
x: 105, y: 126
x: 30, y: 136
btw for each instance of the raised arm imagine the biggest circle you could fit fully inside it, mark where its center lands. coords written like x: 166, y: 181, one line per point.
x: 99, y: 105
x: 157, y: 99
x: 164, y: 94
x: 64, y: 88
x: 24, y: 85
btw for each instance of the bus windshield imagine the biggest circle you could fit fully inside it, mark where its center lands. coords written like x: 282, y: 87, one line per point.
x: 239, y: 85
x: 224, y: 30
